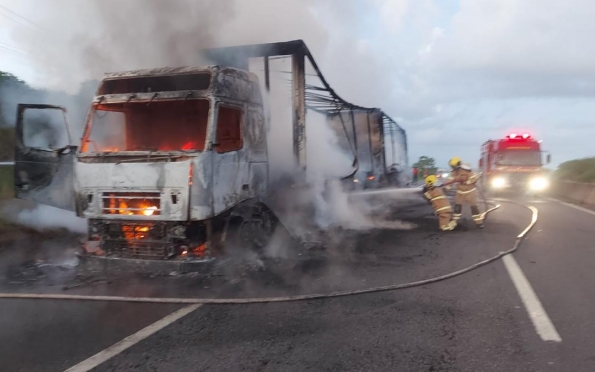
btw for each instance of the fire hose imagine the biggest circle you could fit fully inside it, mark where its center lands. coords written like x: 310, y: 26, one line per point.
x: 315, y: 296
x: 485, y: 201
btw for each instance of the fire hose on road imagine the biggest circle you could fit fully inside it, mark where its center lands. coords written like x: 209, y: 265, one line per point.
x: 315, y: 296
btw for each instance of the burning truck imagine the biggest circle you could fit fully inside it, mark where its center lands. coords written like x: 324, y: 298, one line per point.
x: 170, y: 157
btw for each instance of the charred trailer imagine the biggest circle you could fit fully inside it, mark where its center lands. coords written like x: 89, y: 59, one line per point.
x: 378, y: 144
x: 168, y: 156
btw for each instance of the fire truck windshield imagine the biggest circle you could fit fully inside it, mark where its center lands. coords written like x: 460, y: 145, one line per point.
x: 518, y: 157
x: 158, y: 126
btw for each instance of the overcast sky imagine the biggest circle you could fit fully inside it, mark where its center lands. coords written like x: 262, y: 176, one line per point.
x: 453, y: 73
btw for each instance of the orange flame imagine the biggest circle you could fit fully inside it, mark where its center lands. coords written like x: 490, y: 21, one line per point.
x: 133, y: 232
x: 200, y: 250
x: 148, y: 211
x: 189, y: 146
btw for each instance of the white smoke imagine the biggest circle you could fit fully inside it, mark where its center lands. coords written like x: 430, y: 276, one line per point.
x: 44, y: 217
x: 102, y: 37
x: 41, y: 217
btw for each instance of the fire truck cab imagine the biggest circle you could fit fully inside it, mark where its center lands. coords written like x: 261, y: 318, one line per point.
x: 514, y: 163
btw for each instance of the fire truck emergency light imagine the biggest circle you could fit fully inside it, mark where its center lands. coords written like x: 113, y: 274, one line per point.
x: 515, y: 136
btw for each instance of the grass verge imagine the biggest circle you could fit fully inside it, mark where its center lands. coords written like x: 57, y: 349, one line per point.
x: 6, y: 182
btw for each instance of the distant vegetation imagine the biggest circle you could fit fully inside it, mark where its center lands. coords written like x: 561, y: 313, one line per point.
x: 6, y: 130
x: 425, y: 164
x: 6, y: 183
x: 6, y: 144
x: 7, y: 81
x: 580, y: 170
x: 14, y: 91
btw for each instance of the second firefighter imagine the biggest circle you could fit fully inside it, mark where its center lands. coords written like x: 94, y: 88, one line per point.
x: 466, y: 181
x: 440, y: 203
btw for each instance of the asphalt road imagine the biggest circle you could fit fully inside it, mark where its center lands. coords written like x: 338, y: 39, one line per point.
x: 474, y: 322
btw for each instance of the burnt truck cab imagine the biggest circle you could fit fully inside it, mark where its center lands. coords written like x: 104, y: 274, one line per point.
x: 514, y: 164
x: 165, y: 153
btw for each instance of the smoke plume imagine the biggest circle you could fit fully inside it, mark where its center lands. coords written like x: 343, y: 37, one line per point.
x: 110, y: 35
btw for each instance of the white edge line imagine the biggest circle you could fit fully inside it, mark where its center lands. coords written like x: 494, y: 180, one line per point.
x: 571, y: 206
x: 118, y: 347
x: 541, y: 321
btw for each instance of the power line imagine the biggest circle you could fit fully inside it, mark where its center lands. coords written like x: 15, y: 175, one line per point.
x: 2, y: 43
x: 21, y: 17
x: 18, y: 22
x: 23, y: 60
x: 12, y: 51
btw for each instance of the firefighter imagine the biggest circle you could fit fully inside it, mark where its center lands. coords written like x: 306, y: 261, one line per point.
x: 466, y: 181
x: 440, y: 203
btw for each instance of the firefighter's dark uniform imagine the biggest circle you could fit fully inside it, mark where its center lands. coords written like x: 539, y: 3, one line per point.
x: 441, y: 207
x: 466, y: 193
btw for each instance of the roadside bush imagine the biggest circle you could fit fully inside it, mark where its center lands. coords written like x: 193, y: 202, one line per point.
x: 580, y: 170
x: 6, y: 183
x: 6, y: 144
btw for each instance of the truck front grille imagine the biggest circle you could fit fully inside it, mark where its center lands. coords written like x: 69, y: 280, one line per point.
x: 137, y: 240
x: 518, y: 179
x: 131, y: 203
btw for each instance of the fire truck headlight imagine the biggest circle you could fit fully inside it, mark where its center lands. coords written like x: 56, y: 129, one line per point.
x: 445, y: 175
x: 498, y: 182
x: 539, y: 184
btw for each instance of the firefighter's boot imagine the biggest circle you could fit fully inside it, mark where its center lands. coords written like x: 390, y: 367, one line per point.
x: 477, y: 217
x: 458, y: 212
x: 449, y: 226
x: 445, y: 221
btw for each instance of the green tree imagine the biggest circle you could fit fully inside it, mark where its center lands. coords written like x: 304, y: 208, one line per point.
x: 6, y: 130
x: 426, y: 163
x: 7, y: 80
x: 579, y: 170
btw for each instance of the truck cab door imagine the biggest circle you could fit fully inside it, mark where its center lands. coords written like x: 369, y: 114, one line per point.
x: 44, y: 156
x: 230, y: 158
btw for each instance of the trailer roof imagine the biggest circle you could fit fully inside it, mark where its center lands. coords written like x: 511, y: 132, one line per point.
x: 163, y: 71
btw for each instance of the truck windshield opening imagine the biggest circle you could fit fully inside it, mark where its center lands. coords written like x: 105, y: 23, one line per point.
x: 519, y: 157
x: 158, y: 126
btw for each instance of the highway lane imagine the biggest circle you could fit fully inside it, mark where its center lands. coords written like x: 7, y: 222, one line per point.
x: 559, y: 260
x: 54, y: 335
x: 473, y: 322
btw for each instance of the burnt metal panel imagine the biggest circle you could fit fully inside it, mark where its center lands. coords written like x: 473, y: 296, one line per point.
x: 240, y: 175
x: 376, y: 143
x: 239, y: 56
x: 201, y: 186
x: 94, y: 181
x: 359, y: 132
x: 225, y: 82
x: 299, y: 109
x: 44, y: 175
x: 160, y: 71
x: 237, y: 85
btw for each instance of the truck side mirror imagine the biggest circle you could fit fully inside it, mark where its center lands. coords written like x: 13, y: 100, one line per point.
x: 548, y: 158
x: 481, y: 163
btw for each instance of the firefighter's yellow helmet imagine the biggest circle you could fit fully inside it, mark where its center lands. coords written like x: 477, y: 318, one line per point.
x: 431, y: 180
x: 455, y: 162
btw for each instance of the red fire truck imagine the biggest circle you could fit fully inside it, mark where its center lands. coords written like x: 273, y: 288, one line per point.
x: 514, y: 164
